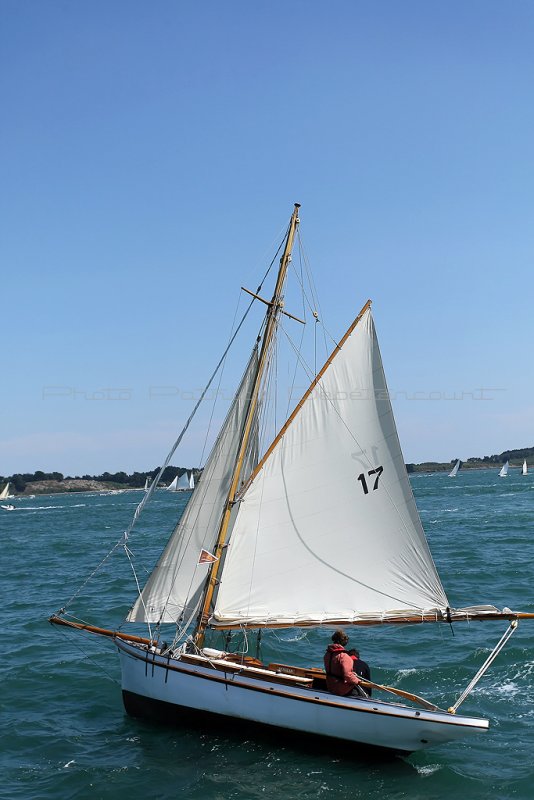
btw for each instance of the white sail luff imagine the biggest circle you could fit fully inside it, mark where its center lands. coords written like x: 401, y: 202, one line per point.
x: 504, y: 470
x: 314, y: 541
x: 174, y: 587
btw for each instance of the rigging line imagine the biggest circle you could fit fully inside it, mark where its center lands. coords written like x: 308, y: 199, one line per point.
x: 315, y: 294
x: 208, y: 429
x: 82, y: 651
x: 86, y: 581
x: 304, y: 299
x: 351, y: 434
x: 313, y: 305
x: 485, y: 666
x: 129, y: 556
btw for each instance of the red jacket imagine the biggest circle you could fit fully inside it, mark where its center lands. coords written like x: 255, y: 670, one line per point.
x: 340, y: 677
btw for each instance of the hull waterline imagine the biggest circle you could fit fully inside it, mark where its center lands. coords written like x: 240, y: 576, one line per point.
x: 171, y: 690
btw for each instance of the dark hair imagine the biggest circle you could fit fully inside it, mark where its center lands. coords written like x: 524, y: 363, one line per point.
x: 353, y: 652
x: 340, y: 637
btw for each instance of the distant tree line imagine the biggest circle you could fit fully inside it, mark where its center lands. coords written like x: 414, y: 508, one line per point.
x: 501, y: 458
x: 136, y: 480
x: 507, y: 455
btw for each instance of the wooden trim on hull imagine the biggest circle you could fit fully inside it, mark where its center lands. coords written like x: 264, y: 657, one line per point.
x: 159, y: 711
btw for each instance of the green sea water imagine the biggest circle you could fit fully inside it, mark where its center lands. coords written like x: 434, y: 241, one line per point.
x: 64, y: 732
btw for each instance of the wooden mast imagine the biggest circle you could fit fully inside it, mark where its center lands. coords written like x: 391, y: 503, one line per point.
x: 275, y: 308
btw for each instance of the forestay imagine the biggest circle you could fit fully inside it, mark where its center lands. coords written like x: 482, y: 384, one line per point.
x: 328, y: 530
x: 173, y: 590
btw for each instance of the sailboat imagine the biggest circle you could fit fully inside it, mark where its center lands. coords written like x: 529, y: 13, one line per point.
x: 524, y: 471
x: 145, y: 487
x: 250, y: 554
x: 4, y: 494
x: 179, y: 484
x: 191, y: 482
x: 454, y: 471
x: 504, y: 470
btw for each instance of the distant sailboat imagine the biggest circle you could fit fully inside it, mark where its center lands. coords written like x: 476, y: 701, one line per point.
x: 453, y: 473
x: 5, y: 492
x: 145, y: 488
x: 525, y: 468
x: 504, y: 471
x: 180, y: 484
x: 191, y: 482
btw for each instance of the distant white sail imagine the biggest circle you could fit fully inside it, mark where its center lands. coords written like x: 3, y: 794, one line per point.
x: 504, y: 471
x: 146, y: 485
x: 5, y: 492
x: 183, y: 483
x: 525, y: 468
x: 191, y: 482
x: 454, y: 471
x: 173, y: 487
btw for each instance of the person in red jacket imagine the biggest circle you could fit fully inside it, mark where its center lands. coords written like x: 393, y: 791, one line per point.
x: 339, y: 667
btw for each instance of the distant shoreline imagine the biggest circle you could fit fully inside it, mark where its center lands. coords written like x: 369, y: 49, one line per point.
x: 77, y: 485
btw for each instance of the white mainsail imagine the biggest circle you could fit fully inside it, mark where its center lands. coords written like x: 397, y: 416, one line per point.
x: 174, y: 587
x: 191, y: 482
x: 183, y: 483
x: 173, y: 487
x: 525, y: 468
x: 454, y: 471
x: 504, y: 470
x: 145, y: 488
x: 5, y: 492
x: 328, y: 530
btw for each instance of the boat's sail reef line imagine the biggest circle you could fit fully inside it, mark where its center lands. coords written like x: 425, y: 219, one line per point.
x: 277, y: 543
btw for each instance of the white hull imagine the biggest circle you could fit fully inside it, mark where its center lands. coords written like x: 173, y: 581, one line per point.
x: 149, y: 681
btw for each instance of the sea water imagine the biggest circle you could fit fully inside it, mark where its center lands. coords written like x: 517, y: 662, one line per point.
x: 65, y: 734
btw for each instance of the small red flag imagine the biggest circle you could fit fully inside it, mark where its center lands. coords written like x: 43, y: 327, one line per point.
x: 206, y: 557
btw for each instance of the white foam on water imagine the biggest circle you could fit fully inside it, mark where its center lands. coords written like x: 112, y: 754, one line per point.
x: 402, y: 673
x: 67, y: 765
x: 429, y: 769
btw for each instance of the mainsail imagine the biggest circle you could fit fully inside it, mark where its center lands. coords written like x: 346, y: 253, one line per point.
x: 173, y: 486
x: 454, y: 471
x: 191, y: 482
x: 5, y: 492
x: 328, y: 530
x: 183, y: 483
x: 173, y: 589
x: 504, y: 470
x: 525, y: 468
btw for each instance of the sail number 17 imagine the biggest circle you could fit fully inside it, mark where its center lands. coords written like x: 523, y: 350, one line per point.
x: 378, y: 472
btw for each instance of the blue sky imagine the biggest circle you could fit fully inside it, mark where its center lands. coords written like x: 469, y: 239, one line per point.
x: 150, y: 157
